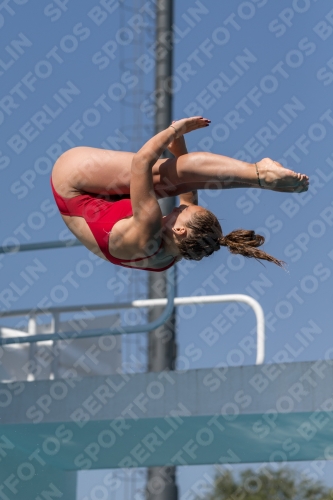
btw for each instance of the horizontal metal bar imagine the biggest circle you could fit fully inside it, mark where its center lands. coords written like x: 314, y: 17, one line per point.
x: 179, y: 301
x: 65, y: 309
x: 46, y: 245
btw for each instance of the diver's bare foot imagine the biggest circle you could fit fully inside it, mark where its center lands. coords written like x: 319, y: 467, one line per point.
x: 277, y: 178
x: 297, y: 189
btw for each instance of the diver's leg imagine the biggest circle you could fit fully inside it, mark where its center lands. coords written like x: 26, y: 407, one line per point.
x: 214, y: 169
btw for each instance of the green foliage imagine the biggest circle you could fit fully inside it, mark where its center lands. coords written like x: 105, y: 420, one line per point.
x: 268, y: 484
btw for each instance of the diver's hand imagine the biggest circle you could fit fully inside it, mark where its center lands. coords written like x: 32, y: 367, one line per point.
x: 186, y: 125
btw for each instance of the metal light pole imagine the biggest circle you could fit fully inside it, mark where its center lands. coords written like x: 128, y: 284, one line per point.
x: 162, y: 346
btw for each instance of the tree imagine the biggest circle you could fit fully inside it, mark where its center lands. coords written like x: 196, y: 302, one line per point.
x: 268, y: 484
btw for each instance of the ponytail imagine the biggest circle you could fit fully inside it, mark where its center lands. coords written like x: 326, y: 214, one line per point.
x: 245, y: 242
x: 207, y: 237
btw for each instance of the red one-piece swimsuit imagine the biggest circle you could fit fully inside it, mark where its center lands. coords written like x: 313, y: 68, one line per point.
x: 101, y: 215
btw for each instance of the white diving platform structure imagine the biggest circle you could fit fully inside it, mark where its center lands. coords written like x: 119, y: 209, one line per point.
x: 263, y: 413
x: 78, y: 418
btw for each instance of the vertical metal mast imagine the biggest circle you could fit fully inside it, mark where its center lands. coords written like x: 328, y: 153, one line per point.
x: 162, y: 346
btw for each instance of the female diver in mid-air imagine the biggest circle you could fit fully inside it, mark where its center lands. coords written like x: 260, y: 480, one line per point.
x: 108, y: 199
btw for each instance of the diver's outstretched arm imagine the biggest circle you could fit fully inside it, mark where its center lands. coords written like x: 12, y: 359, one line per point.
x: 147, y: 216
x: 178, y: 148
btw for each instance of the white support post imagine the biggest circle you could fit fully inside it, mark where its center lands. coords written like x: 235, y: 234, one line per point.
x: 32, y: 330
x: 55, y: 360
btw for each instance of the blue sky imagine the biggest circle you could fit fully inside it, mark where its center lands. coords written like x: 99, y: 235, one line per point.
x: 274, y: 62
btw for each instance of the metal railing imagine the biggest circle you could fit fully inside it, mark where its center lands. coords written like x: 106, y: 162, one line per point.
x: 93, y: 333
x: 46, y: 245
x: 170, y: 302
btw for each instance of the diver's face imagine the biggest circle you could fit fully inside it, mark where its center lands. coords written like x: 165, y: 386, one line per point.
x: 181, y: 217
